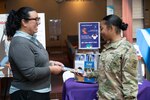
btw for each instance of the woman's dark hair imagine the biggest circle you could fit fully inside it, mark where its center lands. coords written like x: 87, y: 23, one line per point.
x: 115, y: 21
x: 14, y: 18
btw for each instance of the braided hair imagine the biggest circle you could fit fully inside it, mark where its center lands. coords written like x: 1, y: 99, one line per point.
x: 14, y: 19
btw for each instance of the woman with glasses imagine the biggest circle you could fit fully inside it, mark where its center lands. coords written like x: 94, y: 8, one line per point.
x: 28, y: 59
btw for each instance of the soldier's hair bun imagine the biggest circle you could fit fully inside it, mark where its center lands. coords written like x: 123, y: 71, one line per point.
x: 124, y: 26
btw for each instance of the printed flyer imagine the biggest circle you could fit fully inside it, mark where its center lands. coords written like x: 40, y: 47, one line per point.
x: 89, y: 35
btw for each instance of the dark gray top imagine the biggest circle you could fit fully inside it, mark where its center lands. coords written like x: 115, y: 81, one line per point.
x: 29, y: 63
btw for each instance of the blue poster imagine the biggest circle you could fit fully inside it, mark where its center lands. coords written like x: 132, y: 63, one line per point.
x: 89, y: 35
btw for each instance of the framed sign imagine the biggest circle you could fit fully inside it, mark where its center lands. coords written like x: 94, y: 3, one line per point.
x: 89, y: 35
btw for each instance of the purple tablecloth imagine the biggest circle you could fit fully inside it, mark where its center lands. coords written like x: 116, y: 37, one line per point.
x: 73, y: 90
x: 144, y: 90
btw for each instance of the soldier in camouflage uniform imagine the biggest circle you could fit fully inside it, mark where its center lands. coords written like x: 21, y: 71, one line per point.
x: 117, y: 71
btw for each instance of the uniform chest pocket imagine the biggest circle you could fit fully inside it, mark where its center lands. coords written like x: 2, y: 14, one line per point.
x: 113, y: 62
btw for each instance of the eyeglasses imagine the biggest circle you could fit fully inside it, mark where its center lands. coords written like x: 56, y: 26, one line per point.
x: 36, y: 19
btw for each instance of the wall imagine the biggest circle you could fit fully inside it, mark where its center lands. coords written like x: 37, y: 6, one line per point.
x: 2, y: 6
x: 80, y: 11
x: 146, y: 14
x: 118, y: 7
x: 49, y: 7
x: 117, y: 4
x: 70, y: 12
x: 137, y: 15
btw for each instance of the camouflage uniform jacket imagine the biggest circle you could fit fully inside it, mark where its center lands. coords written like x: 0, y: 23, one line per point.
x: 117, y: 72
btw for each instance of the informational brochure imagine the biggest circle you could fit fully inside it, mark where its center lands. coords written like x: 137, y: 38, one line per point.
x: 89, y: 35
x: 87, y: 62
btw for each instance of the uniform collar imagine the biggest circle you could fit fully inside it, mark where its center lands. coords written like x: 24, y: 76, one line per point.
x: 114, y: 44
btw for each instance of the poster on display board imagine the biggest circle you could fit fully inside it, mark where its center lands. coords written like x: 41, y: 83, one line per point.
x: 4, y: 44
x: 89, y: 35
x: 41, y: 35
x: 110, y: 9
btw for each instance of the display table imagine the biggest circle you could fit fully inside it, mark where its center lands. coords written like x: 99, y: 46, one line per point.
x: 144, y: 90
x: 73, y: 90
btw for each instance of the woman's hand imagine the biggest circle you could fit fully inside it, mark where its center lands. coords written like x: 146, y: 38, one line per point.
x: 55, y: 69
x: 57, y: 63
x: 84, y: 74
